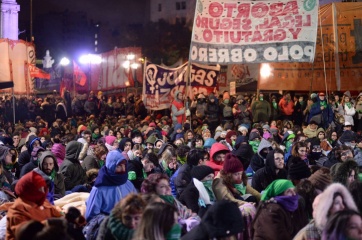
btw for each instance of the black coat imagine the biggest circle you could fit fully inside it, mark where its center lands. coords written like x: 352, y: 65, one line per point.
x: 266, y: 175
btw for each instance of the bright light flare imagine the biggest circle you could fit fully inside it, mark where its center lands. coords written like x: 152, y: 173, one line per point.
x: 130, y: 57
x: 265, y: 70
x: 126, y: 64
x: 90, y: 58
x: 134, y: 65
x: 64, y: 61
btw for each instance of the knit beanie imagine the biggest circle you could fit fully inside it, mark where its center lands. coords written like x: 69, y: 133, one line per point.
x: 201, y: 171
x: 110, y: 139
x: 178, y: 126
x: 222, y: 219
x: 347, y: 136
x: 298, y: 170
x: 232, y: 164
x: 254, y: 134
x: 241, y: 139
x: 231, y: 133
x: 81, y: 128
x: 151, y: 139
x: 274, y: 130
x: 35, y: 151
x: 242, y: 128
x: 321, y: 178
x: 266, y: 126
x: 179, y: 136
x: 208, y: 142
x: 28, y: 187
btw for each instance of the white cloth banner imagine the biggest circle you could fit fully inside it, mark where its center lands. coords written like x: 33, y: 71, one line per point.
x: 232, y: 31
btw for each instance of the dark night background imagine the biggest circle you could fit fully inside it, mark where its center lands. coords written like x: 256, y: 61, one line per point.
x: 67, y: 28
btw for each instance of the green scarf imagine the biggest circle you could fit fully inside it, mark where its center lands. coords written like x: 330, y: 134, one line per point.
x: 208, y: 186
x: 52, y: 175
x: 323, y: 104
x: 101, y: 163
x: 9, y: 167
x: 241, y: 188
x: 144, y: 174
x: 276, y: 188
x: 349, y: 104
x: 275, y: 105
x: 168, y: 171
x: 182, y: 160
x: 118, y: 230
x: 95, y: 136
x: 254, y: 145
x: 174, y: 233
x: 168, y: 198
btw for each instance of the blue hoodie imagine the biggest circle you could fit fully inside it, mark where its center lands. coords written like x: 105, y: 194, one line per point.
x: 109, y: 187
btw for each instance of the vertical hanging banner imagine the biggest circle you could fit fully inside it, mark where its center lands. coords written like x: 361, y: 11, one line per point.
x: 160, y: 83
x: 15, y: 55
x: 230, y: 31
x: 111, y: 73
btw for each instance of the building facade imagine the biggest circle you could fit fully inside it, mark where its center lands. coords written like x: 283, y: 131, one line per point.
x: 172, y: 11
x: 9, y: 19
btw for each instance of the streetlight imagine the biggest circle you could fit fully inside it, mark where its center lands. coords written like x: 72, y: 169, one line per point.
x: 130, y: 64
x: 90, y: 59
x: 64, y: 61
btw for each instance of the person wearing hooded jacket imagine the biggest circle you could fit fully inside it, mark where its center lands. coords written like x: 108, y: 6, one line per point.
x: 25, y: 156
x: 212, y: 112
x: 178, y: 109
x: 274, y: 169
x: 275, y: 215
x: 334, y: 198
x: 217, y: 156
x: 31, y: 204
x: 258, y: 159
x: 9, y: 164
x: 71, y: 169
x: 110, y: 187
x: 34, y: 161
x: 49, y: 169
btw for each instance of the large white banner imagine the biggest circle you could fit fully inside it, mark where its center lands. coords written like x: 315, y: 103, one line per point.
x: 15, y: 57
x: 232, y: 31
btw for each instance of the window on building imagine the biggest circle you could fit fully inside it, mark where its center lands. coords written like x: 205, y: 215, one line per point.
x: 183, y: 5
x: 96, y: 36
x: 159, y: 7
x: 95, y: 42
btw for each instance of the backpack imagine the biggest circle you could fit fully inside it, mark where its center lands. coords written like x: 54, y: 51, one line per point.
x: 90, y: 230
x: 227, y: 111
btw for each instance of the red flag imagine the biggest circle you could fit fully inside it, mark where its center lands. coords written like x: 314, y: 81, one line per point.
x: 37, y: 72
x: 78, y: 75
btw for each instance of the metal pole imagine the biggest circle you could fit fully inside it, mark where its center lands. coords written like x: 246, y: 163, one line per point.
x: 13, y: 98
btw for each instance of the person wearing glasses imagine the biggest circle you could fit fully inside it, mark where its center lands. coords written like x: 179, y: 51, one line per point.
x: 339, y: 154
x: 274, y: 169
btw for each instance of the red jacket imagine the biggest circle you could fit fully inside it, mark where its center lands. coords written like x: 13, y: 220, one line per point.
x: 286, y: 107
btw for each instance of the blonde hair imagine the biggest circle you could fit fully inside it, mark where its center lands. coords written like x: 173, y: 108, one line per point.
x: 168, y: 154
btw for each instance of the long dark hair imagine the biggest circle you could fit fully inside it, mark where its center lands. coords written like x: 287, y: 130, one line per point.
x: 157, y: 220
x: 337, y: 225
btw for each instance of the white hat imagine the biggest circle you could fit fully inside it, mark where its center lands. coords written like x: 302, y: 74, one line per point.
x: 347, y: 124
x: 242, y: 128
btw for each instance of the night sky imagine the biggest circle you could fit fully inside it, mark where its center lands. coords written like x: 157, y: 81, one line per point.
x: 109, y: 11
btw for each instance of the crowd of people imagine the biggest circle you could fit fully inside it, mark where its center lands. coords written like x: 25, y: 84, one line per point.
x: 250, y: 166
